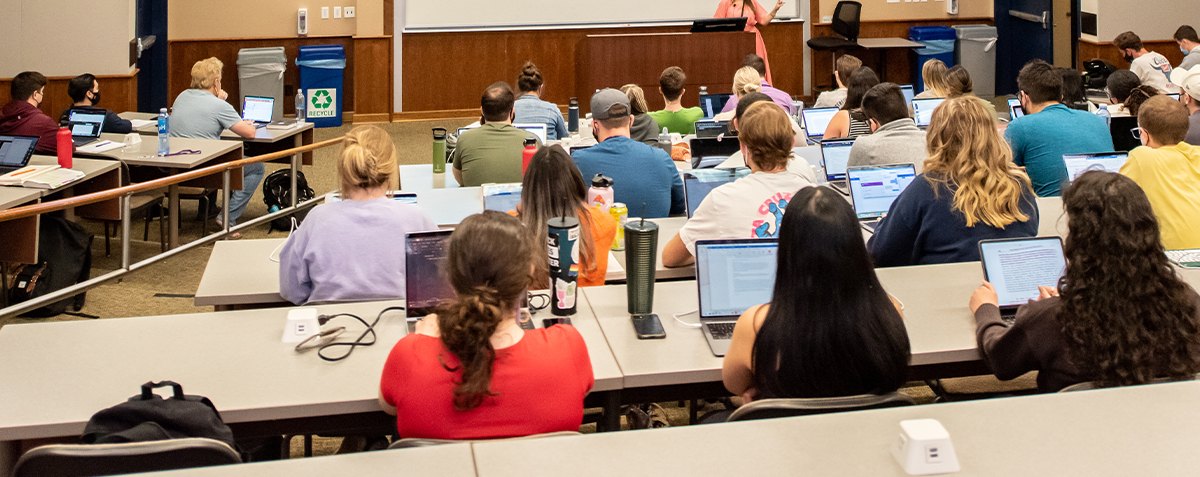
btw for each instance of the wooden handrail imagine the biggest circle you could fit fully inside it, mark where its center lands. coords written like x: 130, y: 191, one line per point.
x: 78, y: 201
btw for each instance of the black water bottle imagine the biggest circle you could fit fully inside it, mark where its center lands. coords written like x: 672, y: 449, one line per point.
x: 573, y: 115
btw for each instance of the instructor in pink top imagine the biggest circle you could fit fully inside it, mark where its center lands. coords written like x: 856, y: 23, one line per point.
x: 755, y: 16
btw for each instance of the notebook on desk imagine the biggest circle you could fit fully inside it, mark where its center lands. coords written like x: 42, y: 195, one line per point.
x: 1017, y: 267
x: 923, y: 110
x: 259, y: 110
x: 15, y: 152
x: 426, y: 285
x: 816, y: 121
x: 1102, y: 161
x: 85, y: 126
x: 732, y: 276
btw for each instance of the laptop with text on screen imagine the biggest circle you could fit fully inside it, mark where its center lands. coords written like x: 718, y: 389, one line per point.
x: 85, y: 126
x: 15, y: 152
x: 426, y: 285
x: 1017, y: 267
x: 835, y: 158
x: 259, y: 110
x: 732, y: 276
x: 816, y: 121
x: 1103, y: 161
x: 873, y: 189
x: 923, y: 110
x: 712, y: 128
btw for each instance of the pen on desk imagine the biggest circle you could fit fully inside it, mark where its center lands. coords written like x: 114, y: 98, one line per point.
x: 23, y: 172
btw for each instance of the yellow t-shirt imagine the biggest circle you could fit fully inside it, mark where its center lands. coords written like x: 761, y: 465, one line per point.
x: 1170, y: 176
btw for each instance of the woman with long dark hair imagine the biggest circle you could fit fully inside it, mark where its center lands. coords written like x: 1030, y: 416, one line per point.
x: 469, y: 371
x: 830, y: 329
x: 851, y: 122
x: 1120, y: 314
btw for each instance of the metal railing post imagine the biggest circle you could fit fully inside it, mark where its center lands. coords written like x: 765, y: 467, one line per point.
x: 225, y: 200
x: 125, y: 224
x: 295, y: 170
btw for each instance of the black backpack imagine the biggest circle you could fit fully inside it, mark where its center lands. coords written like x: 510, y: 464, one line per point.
x: 64, y: 259
x: 1095, y: 73
x: 277, y: 191
x: 149, y: 417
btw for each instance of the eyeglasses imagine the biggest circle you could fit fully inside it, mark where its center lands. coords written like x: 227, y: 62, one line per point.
x: 1137, y: 133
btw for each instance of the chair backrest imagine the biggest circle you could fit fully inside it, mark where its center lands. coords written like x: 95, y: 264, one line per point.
x: 420, y: 442
x: 772, y: 408
x: 845, y: 19
x: 1090, y: 385
x: 125, y: 458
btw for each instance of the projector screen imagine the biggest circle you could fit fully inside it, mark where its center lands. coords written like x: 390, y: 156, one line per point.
x: 489, y: 14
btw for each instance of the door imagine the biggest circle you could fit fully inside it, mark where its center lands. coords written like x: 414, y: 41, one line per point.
x: 1025, y: 28
x: 152, y: 63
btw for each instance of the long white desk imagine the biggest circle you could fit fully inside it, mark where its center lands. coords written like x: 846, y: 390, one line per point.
x: 261, y: 135
x: 451, y: 460
x: 21, y: 236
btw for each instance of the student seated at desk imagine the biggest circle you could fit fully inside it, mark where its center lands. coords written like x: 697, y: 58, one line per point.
x: 753, y: 206
x: 353, y: 249
x: 530, y: 108
x: 850, y: 122
x: 644, y: 129
x: 1149, y: 66
x: 746, y: 80
x: 84, y: 90
x: 830, y: 330
x: 491, y: 153
x: 1168, y: 170
x: 970, y: 191
x: 1120, y: 315
x: 933, y: 77
x: 553, y: 188
x: 1119, y: 85
x: 674, y: 116
x: 470, y: 371
x: 777, y: 95
x: 895, y: 137
x: 843, y: 68
x: 644, y: 177
x: 21, y: 116
x: 737, y: 159
x: 1073, y: 94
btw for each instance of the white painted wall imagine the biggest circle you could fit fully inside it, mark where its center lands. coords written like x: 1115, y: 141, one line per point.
x: 66, y: 37
x: 1150, y: 19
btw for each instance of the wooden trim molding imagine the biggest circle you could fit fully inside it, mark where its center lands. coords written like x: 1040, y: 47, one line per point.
x: 1104, y: 50
x: 119, y: 93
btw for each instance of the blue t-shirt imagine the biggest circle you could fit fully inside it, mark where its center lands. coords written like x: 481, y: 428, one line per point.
x: 921, y: 228
x: 644, y: 178
x: 529, y: 109
x: 1040, y: 140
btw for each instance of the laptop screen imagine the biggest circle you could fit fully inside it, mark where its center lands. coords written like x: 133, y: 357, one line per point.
x: 1016, y: 112
x: 874, y: 188
x: 816, y: 120
x: 698, y: 183
x: 1174, y: 96
x: 923, y: 110
x: 1016, y: 267
x: 501, y: 197
x: 16, y: 150
x: 712, y: 104
x: 710, y: 128
x: 1079, y: 163
x: 734, y: 275
x: 426, y: 284
x: 835, y: 157
x: 538, y: 130
x: 907, y: 91
x: 710, y: 152
x: 259, y: 109
x: 85, y: 123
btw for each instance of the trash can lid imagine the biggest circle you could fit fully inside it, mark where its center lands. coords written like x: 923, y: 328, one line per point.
x: 980, y: 32
x: 318, y: 52
x: 255, y: 56
x: 919, y: 33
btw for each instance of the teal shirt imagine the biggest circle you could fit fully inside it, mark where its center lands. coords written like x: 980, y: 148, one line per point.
x: 1040, y: 140
x: 682, y: 121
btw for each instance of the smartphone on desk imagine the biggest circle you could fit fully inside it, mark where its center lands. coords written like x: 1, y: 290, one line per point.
x: 648, y: 327
x: 548, y: 322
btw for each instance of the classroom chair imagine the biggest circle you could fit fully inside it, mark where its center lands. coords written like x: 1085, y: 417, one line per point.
x: 773, y: 408
x: 845, y: 28
x: 78, y: 460
x: 411, y: 442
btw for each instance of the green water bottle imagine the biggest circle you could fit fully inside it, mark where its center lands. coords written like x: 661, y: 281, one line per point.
x: 439, y: 150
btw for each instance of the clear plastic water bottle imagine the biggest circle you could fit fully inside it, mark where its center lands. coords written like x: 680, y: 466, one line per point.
x: 1103, y: 113
x: 164, y: 140
x: 664, y: 140
x: 301, y: 106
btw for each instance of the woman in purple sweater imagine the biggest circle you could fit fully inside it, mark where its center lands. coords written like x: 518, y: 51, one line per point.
x: 353, y: 249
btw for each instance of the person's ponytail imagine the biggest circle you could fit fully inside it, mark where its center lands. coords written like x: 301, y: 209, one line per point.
x: 466, y: 327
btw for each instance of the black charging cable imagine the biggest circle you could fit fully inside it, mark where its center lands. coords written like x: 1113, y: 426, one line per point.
x: 538, y: 301
x: 325, y: 340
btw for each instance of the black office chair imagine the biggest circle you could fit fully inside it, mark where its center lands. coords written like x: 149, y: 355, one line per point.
x: 126, y: 458
x: 773, y: 408
x: 845, y: 28
x: 411, y: 442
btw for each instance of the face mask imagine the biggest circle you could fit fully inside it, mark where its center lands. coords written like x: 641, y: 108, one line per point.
x: 1184, y: 51
x: 95, y: 98
x: 1128, y: 58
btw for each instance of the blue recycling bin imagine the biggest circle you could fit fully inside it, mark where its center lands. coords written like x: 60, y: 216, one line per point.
x: 939, y: 44
x: 321, y: 78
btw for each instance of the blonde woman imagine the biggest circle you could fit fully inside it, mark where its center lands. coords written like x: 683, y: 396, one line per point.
x: 353, y: 249
x: 970, y: 191
x: 745, y: 81
x: 644, y: 128
x: 933, y: 76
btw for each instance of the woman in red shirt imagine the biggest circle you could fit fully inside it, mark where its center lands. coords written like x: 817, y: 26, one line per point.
x: 470, y: 372
x: 756, y: 16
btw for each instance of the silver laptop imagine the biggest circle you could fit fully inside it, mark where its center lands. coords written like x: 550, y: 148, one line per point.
x: 732, y: 275
x: 907, y: 91
x: 923, y: 110
x: 835, y: 158
x: 873, y: 189
x: 85, y: 126
x: 538, y: 130
x: 816, y: 120
x: 259, y: 110
x: 426, y: 285
x: 1016, y: 267
x: 1103, y: 161
x: 698, y: 183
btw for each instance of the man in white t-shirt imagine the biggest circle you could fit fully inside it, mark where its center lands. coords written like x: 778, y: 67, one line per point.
x: 1150, y: 67
x: 753, y: 206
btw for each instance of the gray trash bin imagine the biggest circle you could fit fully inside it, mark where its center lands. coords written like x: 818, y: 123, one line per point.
x: 260, y: 73
x: 977, y: 53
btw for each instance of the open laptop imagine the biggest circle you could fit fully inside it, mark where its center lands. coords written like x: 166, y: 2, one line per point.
x: 713, y: 103
x: 711, y: 128
x: 1016, y: 267
x: 710, y: 152
x: 816, y: 120
x: 698, y: 183
x: 923, y: 110
x: 732, y: 275
x: 538, y: 130
x: 85, y: 126
x: 426, y: 286
x: 1014, y: 105
x: 1174, y: 96
x: 15, y: 152
x: 873, y: 189
x: 501, y: 197
x: 1103, y: 161
x: 907, y: 91
x: 258, y: 109
x: 835, y: 157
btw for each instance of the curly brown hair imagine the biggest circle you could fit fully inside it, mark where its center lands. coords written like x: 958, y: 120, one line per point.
x: 1127, y: 316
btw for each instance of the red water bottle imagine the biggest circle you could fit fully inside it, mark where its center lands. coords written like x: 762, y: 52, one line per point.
x: 65, y: 148
x: 527, y: 154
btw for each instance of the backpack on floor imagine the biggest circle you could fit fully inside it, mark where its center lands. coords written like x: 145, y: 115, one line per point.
x: 149, y: 417
x: 277, y: 191
x: 64, y: 259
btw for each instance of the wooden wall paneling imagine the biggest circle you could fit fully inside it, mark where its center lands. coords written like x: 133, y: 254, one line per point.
x: 1106, y: 51
x: 785, y: 50
x: 450, y: 70
x: 118, y: 93
x: 182, y: 54
x: 372, y: 79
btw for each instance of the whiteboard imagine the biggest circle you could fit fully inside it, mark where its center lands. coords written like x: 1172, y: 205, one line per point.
x: 490, y: 14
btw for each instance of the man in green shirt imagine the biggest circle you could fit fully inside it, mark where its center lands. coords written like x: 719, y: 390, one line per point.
x: 491, y: 153
x: 675, y: 117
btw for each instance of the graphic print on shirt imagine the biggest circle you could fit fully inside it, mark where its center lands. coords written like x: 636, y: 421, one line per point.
x: 1161, y: 64
x: 768, y: 227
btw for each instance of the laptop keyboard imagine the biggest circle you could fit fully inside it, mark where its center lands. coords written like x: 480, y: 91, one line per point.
x: 720, y: 331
